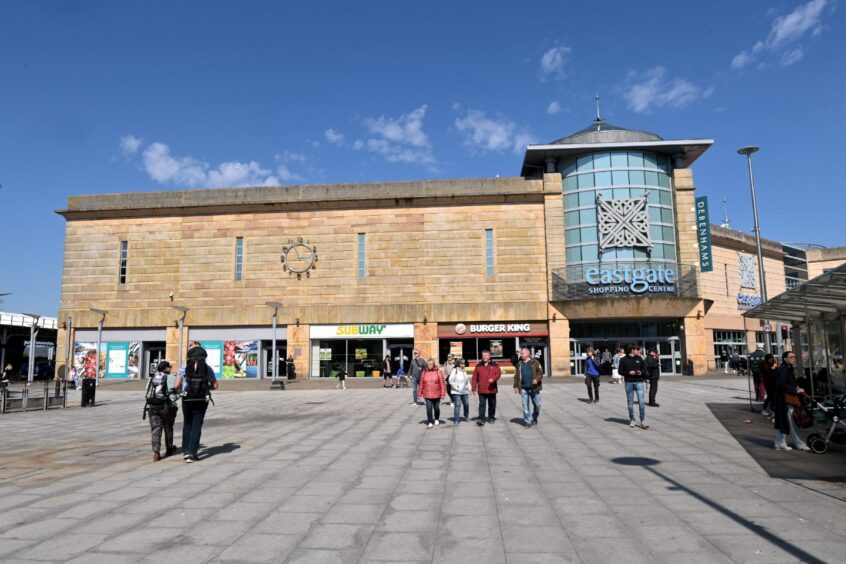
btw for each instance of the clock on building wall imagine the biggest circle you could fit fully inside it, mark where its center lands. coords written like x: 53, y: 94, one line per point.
x: 299, y: 257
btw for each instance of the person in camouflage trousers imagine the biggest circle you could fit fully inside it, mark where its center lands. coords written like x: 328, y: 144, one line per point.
x: 161, y: 407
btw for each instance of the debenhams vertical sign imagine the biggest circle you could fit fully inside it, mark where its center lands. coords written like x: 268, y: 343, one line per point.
x: 703, y: 235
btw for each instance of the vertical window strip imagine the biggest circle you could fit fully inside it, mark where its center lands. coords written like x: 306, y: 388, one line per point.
x: 361, y: 256
x: 489, y: 252
x: 124, y: 255
x: 239, y: 259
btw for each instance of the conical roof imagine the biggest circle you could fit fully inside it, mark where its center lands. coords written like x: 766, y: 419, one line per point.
x: 602, y: 132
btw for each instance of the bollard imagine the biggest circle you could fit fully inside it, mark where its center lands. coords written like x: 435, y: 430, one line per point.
x: 46, y: 394
x: 3, y: 393
x: 64, y: 394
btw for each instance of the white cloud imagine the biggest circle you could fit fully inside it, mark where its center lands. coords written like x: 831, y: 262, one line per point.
x: 553, y: 108
x: 786, y: 34
x: 129, y: 145
x: 553, y: 62
x: 658, y: 90
x: 334, y: 137
x: 399, y: 139
x: 190, y: 172
x: 483, y: 133
x: 286, y: 175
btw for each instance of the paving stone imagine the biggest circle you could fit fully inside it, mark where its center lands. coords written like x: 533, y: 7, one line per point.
x: 400, y: 547
x: 337, y: 536
x: 254, y: 547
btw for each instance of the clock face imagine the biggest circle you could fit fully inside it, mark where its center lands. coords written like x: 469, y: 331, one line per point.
x: 299, y: 258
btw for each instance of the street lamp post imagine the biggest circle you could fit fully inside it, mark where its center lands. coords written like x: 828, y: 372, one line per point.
x: 102, y: 313
x: 181, y: 324
x: 33, y: 334
x: 275, y: 306
x: 757, y: 228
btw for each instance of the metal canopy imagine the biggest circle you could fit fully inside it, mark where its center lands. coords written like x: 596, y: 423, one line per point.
x: 823, y: 296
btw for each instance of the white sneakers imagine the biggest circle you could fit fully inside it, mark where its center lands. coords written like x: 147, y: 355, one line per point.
x: 437, y: 423
x: 429, y: 426
x: 782, y: 447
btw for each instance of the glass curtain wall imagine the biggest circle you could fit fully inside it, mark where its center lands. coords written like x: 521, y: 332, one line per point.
x: 616, y: 176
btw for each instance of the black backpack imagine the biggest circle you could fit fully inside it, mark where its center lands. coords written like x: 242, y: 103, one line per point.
x: 198, y: 384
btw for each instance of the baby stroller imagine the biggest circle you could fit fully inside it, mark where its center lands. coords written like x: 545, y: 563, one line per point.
x: 835, y: 433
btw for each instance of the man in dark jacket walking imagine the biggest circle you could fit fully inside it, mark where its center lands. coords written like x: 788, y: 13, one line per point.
x: 485, y: 376
x: 528, y: 383
x: 633, y: 370
x: 418, y: 365
x: 653, y: 370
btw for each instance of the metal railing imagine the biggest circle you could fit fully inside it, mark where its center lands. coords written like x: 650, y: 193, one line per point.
x: 624, y: 279
x: 52, y: 395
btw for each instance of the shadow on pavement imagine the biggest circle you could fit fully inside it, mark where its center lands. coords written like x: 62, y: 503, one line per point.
x: 225, y: 448
x: 757, y: 439
x: 792, y: 549
x: 619, y: 420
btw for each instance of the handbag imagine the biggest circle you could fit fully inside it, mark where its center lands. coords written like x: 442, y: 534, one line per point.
x: 802, y: 417
x: 792, y: 399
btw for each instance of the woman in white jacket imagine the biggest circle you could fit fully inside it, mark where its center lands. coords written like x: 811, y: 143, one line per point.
x: 459, y: 386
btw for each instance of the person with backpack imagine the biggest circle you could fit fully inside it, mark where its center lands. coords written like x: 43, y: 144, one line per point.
x: 485, y: 378
x: 418, y: 365
x: 161, y: 407
x: 459, y: 386
x: 592, y: 373
x: 196, y: 383
x: 342, y: 378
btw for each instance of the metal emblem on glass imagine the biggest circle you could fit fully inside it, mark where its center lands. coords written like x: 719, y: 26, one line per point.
x: 623, y: 223
x: 299, y: 257
x: 747, y: 271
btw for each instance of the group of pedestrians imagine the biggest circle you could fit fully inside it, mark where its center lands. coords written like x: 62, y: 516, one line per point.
x: 193, y: 385
x: 435, y: 383
x: 635, y: 370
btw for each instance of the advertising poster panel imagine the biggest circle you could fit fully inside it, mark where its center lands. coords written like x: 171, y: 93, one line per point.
x: 117, y: 360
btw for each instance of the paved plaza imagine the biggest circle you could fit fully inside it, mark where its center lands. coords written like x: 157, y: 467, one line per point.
x: 354, y: 476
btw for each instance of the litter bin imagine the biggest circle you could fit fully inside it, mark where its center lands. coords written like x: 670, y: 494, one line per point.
x: 89, y: 388
x: 688, y: 368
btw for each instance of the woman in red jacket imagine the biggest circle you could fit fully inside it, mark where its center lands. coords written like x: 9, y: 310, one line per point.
x: 432, y: 389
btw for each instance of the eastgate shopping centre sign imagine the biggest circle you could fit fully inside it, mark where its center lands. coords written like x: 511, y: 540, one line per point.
x: 628, y: 280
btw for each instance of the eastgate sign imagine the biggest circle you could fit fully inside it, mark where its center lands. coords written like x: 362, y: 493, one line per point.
x: 628, y: 280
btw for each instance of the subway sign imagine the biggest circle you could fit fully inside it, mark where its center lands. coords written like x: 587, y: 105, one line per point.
x: 629, y: 280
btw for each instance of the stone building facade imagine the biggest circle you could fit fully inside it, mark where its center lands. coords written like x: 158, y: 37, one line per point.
x: 595, y: 244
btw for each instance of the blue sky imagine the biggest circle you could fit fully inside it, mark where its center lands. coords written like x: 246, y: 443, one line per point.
x: 102, y: 96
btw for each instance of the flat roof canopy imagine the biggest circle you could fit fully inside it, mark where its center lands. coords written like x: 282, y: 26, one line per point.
x: 688, y: 150
x: 825, y: 295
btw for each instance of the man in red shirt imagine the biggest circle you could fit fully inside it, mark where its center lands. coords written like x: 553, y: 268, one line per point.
x: 485, y: 377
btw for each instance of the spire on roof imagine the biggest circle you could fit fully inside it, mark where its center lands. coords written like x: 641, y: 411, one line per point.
x: 598, y: 120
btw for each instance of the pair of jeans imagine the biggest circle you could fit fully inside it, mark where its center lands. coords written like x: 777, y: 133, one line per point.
x: 653, y: 390
x: 459, y: 400
x: 530, y: 397
x: 592, y: 383
x: 631, y: 388
x: 415, y: 381
x: 487, y: 407
x: 433, y: 405
x: 193, y: 413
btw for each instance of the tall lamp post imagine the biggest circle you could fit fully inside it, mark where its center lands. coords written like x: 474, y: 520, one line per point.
x: 102, y: 313
x: 181, y: 324
x: 275, y: 307
x: 757, y: 228
x: 33, y: 334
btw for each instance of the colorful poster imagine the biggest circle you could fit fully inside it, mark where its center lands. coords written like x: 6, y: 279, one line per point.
x: 361, y: 354
x: 240, y: 359
x: 326, y: 354
x: 496, y: 348
x: 456, y: 348
x: 85, y: 359
x: 117, y: 360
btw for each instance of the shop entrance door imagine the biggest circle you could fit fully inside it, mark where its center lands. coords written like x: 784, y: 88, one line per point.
x: 539, y: 349
x: 154, y: 353
x: 668, y: 349
x: 282, y: 354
